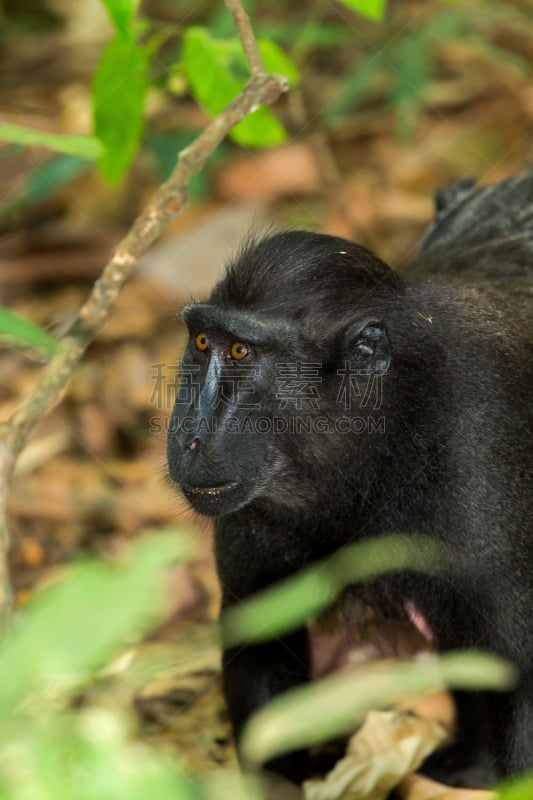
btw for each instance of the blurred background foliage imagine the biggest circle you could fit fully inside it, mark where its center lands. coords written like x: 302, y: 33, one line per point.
x: 96, y: 102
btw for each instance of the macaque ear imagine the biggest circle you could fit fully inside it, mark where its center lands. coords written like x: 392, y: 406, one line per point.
x: 368, y: 344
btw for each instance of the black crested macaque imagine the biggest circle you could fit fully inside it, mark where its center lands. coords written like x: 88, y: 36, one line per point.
x: 325, y: 398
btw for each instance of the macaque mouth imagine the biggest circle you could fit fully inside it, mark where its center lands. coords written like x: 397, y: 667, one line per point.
x: 211, y: 491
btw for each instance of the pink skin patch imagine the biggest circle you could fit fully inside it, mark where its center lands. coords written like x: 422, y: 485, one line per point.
x: 419, y: 620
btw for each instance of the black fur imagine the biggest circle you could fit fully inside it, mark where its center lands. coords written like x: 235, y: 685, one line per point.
x: 445, y: 451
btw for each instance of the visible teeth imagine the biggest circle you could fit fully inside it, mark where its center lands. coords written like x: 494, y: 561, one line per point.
x: 213, y: 491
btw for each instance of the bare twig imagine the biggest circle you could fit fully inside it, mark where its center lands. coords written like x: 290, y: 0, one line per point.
x: 166, y: 204
x: 246, y: 34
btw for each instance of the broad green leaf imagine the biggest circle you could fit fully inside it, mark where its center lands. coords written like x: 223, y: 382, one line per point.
x: 260, y: 129
x: 311, y: 714
x: 122, y: 13
x: 19, y: 331
x: 373, y: 9
x: 275, y: 60
x: 75, y: 626
x: 291, y: 602
x: 119, y: 90
x: 86, y: 147
x: 216, y: 71
x: 207, y: 64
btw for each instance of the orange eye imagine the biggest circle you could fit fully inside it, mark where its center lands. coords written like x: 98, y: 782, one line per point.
x: 239, y: 351
x: 201, y: 342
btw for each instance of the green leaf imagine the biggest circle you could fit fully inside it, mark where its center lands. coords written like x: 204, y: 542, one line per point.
x: 119, y: 90
x: 86, y: 756
x: 86, y: 147
x: 216, y: 71
x: 122, y: 13
x: 90, y: 754
x: 19, y: 331
x: 515, y: 789
x: 311, y: 714
x: 373, y: 9
x: 291, y: 602
x: 276, y: 60
x: 260, y: 129
x: 74, y: 627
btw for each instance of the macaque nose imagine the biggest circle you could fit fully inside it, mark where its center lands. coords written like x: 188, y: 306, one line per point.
x: 193, y: 444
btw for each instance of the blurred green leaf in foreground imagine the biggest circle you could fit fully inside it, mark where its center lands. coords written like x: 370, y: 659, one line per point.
x: 86, y: 147
x: 337, y: 704
x: 313, y: 713
x: 75, y: 626
x: 67, y: 632
x: 290, y: 603
x: 18, y: 331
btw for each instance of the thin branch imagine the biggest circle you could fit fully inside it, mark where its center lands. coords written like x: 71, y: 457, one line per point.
x: 166, y: 204
x: 247, y: 37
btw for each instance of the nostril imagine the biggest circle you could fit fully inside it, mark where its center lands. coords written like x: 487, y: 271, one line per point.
x: 194, y: 444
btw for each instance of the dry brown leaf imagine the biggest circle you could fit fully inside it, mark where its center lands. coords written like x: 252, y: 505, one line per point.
x: 388, y: 746
x: 278, y: 172
x: 41, y: 450
x: 182, y: 706
x: 187, y: 265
